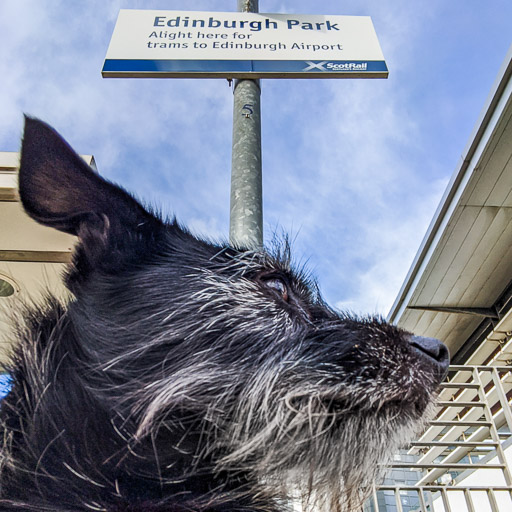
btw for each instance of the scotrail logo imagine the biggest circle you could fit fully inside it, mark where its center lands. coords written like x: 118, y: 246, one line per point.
x: 336, y: 66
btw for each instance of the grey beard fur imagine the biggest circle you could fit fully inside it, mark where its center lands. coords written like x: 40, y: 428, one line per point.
x: 325, y: 460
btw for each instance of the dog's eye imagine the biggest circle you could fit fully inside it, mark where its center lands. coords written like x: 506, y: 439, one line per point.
x: 279, y: 286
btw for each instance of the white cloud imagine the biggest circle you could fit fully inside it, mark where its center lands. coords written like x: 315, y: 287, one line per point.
x: 392, y: 244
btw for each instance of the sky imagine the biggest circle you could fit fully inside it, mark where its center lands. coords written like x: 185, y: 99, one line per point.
x: 353, y: 170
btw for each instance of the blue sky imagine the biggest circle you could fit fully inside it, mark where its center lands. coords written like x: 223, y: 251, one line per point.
x: 353, y: 169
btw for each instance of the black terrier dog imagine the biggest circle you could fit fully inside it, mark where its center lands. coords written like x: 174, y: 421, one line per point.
x: 185, y: 376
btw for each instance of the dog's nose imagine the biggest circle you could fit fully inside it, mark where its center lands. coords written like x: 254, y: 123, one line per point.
x: 434, y: 351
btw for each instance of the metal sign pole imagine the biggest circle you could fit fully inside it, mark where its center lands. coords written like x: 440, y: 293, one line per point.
x: 193, y: 44
x: 246, y: 210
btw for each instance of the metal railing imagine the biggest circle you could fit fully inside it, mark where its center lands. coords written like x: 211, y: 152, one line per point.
x: 459, y: 464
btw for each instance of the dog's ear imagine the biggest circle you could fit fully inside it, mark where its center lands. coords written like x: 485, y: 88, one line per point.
x: 58, y: 189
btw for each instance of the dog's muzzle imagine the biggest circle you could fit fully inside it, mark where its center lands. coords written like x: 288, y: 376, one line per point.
x: 434, y: 352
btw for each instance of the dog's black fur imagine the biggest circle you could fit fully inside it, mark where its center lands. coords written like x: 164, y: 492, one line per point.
x: 185, y: 376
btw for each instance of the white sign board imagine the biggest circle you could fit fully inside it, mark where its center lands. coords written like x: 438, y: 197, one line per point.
x: 148, y: 43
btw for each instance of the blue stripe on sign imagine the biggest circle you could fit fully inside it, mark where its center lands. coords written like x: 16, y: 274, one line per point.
x: 317, y: 66
x: 5, y: 385
x: 176, y: 66
x: 242, y: 66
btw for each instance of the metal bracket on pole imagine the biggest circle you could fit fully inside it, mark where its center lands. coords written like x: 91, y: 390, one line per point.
x: 246, y: 210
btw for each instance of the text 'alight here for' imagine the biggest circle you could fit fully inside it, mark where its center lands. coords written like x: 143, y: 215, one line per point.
x: 254, y: 25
